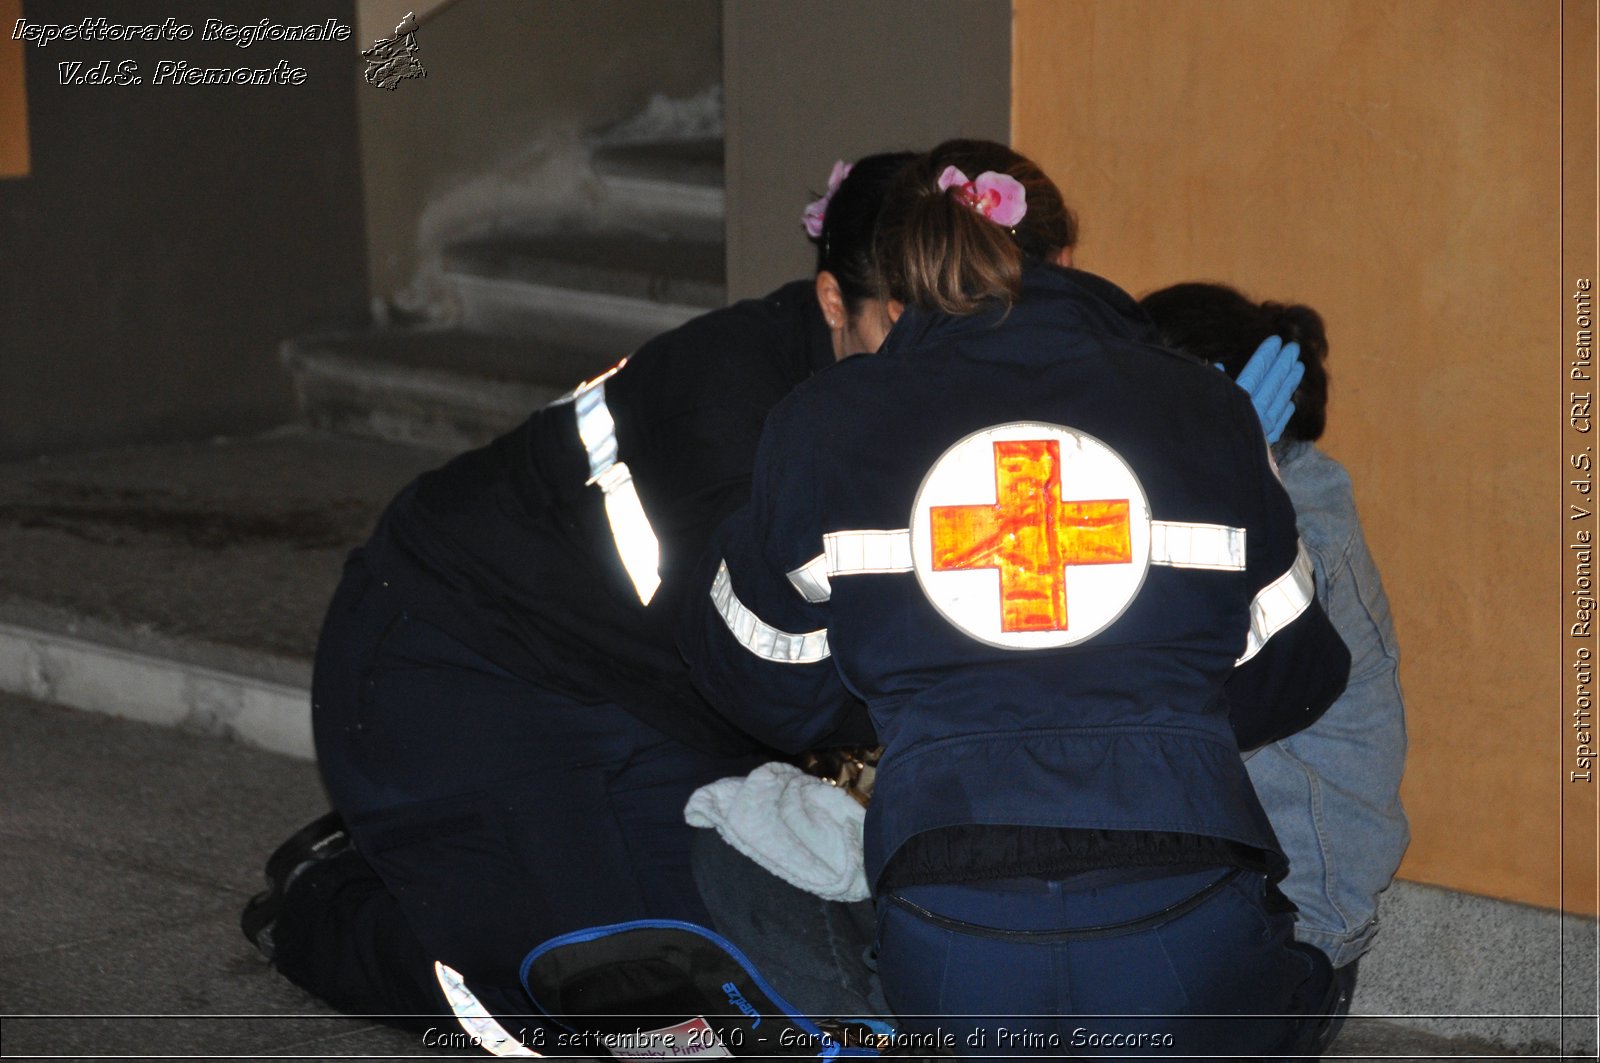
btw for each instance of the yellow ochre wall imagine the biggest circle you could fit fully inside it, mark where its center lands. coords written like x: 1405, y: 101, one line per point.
x: 1397, y: 166
x: 13, y: 96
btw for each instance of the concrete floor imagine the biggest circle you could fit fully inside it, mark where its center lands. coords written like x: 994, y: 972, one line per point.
x: 126, y: 853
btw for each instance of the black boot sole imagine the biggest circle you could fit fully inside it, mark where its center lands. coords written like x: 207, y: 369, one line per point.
x: 321, y: 838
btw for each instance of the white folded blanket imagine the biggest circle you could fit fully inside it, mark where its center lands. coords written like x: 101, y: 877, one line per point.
x: 797, y: 826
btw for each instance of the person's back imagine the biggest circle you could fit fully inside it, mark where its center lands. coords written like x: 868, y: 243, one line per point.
x: 1063, y: 593
x: 1087, y: 444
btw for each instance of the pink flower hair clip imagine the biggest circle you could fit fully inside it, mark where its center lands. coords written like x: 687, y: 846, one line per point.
x: 996, y: 196
x: 817, y: 210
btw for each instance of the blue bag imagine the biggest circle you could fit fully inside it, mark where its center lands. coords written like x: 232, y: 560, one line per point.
x: 664, y: 989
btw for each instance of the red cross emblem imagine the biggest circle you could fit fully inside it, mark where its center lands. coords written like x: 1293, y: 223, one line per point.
x: 990, y: 513
x: 1031, y: 535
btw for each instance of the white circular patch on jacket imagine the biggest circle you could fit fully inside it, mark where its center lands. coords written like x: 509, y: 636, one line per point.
x: 1029, y: 536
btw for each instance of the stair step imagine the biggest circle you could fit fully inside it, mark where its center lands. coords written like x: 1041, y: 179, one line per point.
x: 674, y: 186
x: 531, y: 313
x: 695, y: 162
x: 185, y: 584
x: 440, y: 388
x: 601, y: 286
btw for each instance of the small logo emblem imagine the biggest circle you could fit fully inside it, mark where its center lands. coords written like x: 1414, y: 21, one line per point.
x: 1029, y: 535
x: 737, y: 999
x: 393, y: 59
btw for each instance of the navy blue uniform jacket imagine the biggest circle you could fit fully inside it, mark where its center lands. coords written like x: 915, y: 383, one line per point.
x: 1138, y: 727
x: 508, y: 548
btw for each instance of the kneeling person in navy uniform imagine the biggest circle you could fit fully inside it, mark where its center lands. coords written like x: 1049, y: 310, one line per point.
x: 1055, y: 561
x: 502, y: 718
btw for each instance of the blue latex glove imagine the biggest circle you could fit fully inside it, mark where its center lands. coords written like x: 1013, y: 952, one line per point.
x: 1270, y: 377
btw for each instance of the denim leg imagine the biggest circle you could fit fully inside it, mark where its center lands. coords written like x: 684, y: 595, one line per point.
x: 813, y: 952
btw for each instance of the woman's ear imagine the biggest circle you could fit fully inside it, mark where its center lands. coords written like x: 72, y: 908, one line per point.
x: 832, y: 300
x: 1064, y: 257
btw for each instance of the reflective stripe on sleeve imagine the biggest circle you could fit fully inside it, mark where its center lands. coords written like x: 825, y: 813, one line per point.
x: 811, y: 580
x: 485, y: 1031
x: 630, y: 528
x: 760, y: 637
x: 1279, y: 603
x: 859, y: 552
x: 1180, y: 544
x: 1177, y: 544
x: 852, y: 553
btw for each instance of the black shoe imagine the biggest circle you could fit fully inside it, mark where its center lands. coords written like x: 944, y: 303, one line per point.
x: 316, y: 841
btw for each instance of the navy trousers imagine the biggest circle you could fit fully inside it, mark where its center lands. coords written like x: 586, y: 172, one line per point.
x: 1191, y: 964
x: 489, y: 814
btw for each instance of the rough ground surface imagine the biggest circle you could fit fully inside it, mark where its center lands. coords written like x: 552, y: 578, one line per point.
x: 126, y: 853
x: 237, y: 542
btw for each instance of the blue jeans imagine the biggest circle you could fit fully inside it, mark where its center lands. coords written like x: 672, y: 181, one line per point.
x: 816, y: 952
x: 1332, y: 791
x: 1189, y: 964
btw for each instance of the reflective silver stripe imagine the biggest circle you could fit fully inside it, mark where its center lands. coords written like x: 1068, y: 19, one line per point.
x: 485, y: 1031
x: 760, y: 637
x: 1279, y: 603
x: 811, y: 579
x: 630, y: 528
x: 631, y: 531
x: 1184, y: 545
x: 596, y: 427
x: 853, y: 553
x: 1178, y: 544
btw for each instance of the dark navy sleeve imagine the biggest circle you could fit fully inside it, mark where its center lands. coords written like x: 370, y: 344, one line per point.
x: 1294, y: 664
x: 690, y: 406
x: 756, y: 639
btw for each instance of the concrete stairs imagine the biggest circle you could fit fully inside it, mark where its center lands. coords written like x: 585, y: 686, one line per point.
x: 446, y: 388
x: 635, y: 280
x: 185, y: 584
x: 526, y: 312
x: 674, y: 186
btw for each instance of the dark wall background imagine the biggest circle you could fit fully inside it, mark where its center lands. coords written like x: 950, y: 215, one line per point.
x: 811, y: 81
x: 169, y: 236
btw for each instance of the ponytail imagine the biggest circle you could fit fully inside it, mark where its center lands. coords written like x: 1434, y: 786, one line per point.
x: 937, y: 252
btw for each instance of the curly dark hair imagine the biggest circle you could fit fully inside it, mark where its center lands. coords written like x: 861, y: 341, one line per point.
x: 1221, y: 324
